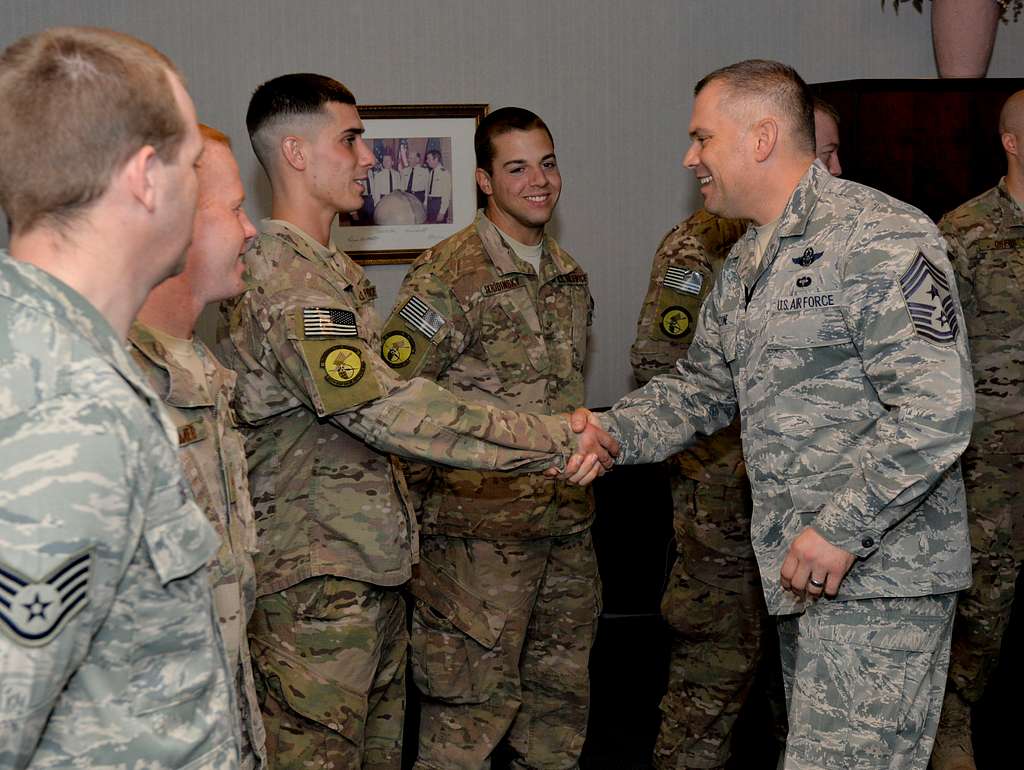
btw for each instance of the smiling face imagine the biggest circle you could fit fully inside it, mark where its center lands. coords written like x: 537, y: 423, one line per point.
x: 718, y: 154
x: 523, y: 185
x: 339, y: 158
x: 222, y: 231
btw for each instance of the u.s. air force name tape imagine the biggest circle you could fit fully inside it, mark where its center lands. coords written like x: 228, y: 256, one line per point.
x: 32, y: 612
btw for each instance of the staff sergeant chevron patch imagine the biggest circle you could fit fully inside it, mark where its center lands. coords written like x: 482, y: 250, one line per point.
x: 33, y: 612
x: 929, y: 301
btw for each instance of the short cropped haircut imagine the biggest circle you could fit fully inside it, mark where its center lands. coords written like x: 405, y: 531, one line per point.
x: 771, y: 83
x: 820, y: 105
x: 75, y: 104
x: 285, y: 98
x: 500, y: 122
x: 211, y: 134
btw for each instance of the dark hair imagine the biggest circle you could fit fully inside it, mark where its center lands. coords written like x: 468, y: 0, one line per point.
x: 500, y: 122
x: 775, y: 83
x: 285, y: 97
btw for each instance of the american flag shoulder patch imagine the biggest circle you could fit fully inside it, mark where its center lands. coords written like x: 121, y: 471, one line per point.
x: 32, y: 612
x: 930, y: 301
x: 421, y: 317
x: 682, y: 280
x: 328, y: 322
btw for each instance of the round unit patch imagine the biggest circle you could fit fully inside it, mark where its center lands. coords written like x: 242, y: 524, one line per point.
x: 342, y: 365
x: 397, y: 349
x: 676, y: 321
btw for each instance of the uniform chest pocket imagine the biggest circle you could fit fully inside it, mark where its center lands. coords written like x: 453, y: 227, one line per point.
x: 996, y: 279
x: 512, y: 337
x: 174, y: 658
x: 812, y: 321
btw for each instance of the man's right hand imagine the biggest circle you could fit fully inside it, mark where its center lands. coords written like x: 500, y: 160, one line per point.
x: 595, y: 452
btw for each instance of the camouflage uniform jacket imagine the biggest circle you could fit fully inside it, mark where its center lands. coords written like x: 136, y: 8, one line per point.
x: 843, y: 355
x: 986, y: 244
x: 319, y: 408
x: 213, y: 457
x: 109, y: 651
x: 513, y: 339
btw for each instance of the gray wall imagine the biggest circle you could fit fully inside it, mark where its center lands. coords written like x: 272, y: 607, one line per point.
x: 612, y: 79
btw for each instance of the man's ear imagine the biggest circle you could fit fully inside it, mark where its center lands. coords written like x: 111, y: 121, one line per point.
x: 765, y: 135
x: 1010, y: 143
x: 293, y: 150
x: 483, y: 181
x: 139, y: 175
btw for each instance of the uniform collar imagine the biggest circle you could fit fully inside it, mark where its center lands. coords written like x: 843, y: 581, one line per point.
x: 50, y: 296
x: 553, y: 261
x: 305, y: 245
x: 182, y: 389
x: 1008, y: 208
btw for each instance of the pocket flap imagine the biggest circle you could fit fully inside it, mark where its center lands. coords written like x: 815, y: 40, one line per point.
x: 476, y: 617
x: 179, y: 538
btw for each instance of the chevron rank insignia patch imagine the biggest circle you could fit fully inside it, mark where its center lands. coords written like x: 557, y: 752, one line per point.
x: 929, y: 300
x: 328, y: 322
x: 682, y: 280
x: 32, y: 612
x: 421, y: 317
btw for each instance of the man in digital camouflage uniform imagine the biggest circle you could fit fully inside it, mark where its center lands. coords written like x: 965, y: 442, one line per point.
x: 986, y: 245
x: 713, y: 601
x: 197, y: 392
x: 835, y: 332
x: 109, y: 650
x: 507, y: 588
x: 337, y: 536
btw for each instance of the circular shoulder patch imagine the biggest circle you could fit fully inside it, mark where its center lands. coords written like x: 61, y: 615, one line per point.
x: 397, y: 349
x: 342, y: 365
x: 676, y: 321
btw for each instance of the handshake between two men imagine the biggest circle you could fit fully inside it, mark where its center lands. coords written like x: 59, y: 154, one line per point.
x: 595, y: 454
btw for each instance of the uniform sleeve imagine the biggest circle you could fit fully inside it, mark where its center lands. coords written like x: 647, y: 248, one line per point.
x: 960, y: 260
x: 648, y: 355
x: 907, y: 325
x: 314, y: 353
x: 668, y: 413
x: 65, y: 541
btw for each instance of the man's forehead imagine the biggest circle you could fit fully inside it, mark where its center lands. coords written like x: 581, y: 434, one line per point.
x: 344, y: 117
x: 514, y: 142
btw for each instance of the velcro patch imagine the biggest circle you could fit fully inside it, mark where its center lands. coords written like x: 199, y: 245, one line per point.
x: 33, y: 612
x: 328, y: 322
x: 929, y: 301
x: 682, y: 280
x: 421, y: 317
x: 397, y: 349
x: 367, y: 294
x: 505, y: 284
x: 191, y: 433
x: 576, y: 278
x: 676, y: 321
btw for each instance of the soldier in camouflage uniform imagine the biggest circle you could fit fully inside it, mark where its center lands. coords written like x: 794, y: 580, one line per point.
x: 986, y: 246
x: 197, y: 394
x: 109, y: 653
x: 337, y: 536
x: 834, y: 331
x: 507, y: 588
x: 713, y: 601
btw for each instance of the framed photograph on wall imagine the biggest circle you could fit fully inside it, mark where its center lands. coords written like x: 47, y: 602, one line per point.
x: 421, y: 188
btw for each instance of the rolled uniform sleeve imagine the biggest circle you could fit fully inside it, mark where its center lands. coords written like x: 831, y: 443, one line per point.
x: 65, y: 540
x: 665, y: 416
x: 343, y: 379
x: 920, y: 370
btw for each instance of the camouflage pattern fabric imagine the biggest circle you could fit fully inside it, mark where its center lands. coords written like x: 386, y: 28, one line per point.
x: 514, y: 338
x: 109, y: 651
x: 213, y: 457
x: 311, y: 397
x: 844, y: 355
x: 715, y: 578
x: 501, y: 637
x: 320, y: 410
x: 864, y: 682
x: 331, y: 657
x: 986, y: 245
